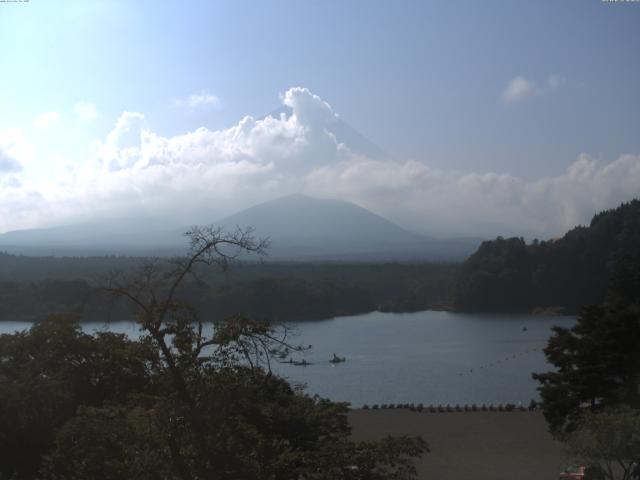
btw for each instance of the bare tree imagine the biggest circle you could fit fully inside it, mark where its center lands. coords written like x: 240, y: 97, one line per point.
x: 175, y: 327
x: 219, y: 410
x: 187, y: 344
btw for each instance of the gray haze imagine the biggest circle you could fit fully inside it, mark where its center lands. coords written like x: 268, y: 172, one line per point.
x: 298, y: 226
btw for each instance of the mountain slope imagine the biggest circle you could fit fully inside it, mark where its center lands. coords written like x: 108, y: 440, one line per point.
x: 302, y: 227
x: 128, y: 236
x: 564, y: 274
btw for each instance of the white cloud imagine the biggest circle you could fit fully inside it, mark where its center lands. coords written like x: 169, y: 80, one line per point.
x: 308, y: 108
x: 86, y: 111
x: 519, y: 88
x: 46, y: 119
x: 15, y: 151
x: 195, y: 101
x: 205, y: 174
x: 482, y: 203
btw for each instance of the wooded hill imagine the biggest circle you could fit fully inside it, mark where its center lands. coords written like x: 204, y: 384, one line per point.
x: 561, y: 275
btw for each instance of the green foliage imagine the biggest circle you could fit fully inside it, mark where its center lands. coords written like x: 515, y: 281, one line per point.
x: 563, y: 274
x: 189, y: 400
x: 75, y: 406
x: 110, y: 442
x: 598, y: 360
x: 608, y: 440
x: 47, y: 373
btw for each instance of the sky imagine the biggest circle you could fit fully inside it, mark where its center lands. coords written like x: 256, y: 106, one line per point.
x: 513, y: 118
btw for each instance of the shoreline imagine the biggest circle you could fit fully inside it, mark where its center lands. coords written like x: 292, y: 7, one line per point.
x: 537, y: 312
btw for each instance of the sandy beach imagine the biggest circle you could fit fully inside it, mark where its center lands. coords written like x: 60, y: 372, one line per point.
x: 473, y: 445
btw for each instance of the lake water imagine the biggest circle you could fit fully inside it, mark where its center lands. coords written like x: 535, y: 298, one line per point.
x: 429, y: 357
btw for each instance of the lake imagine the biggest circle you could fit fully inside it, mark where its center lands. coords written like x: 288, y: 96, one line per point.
x: 429, y: 357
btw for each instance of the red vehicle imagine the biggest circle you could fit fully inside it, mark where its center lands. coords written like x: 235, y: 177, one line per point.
x: 575, y: 472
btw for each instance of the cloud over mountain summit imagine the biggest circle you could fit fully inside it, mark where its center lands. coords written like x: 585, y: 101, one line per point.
x: 205, y: 174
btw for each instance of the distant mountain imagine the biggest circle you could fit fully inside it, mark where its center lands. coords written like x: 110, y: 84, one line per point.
x: 128, y: 236
x: 557, y: 275
x: 305, y: 228
x: 301, y: 228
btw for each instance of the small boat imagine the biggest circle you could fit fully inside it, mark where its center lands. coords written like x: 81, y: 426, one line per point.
x: 302, y: 363
x: 337, y: 359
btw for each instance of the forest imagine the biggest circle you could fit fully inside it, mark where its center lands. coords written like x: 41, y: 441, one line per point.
x: 504, y: 275
x: 556, y: 276
x: 33, y: 287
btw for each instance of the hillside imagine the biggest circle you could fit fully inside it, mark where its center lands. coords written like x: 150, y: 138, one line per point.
x: 306, y: 228
x: 122, y: 236
x: 563, y: 274
x: 301, y: 228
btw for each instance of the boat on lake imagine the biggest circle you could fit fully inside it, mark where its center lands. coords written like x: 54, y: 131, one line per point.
x: 337, y: 359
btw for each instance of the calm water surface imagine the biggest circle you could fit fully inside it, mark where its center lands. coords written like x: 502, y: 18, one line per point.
x: 430, y: 357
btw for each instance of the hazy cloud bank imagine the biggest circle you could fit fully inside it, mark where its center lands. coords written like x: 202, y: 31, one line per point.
x: 203, y: 175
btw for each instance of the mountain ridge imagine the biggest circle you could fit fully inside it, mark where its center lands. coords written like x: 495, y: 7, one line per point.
x: 561, y: 275
x: 300, y: 227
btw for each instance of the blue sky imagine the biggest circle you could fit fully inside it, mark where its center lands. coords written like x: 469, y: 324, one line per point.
x: 519, y: 90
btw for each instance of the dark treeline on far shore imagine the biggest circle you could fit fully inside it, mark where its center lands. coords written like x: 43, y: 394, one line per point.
x: 504, y: 275
x: 33, y: 287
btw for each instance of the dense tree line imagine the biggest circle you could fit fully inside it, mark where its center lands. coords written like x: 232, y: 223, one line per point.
x: 503, y: 275
x: 189, y: 400
x: 562, y: 274
x: 278, y: 291
x: 597, y: 361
